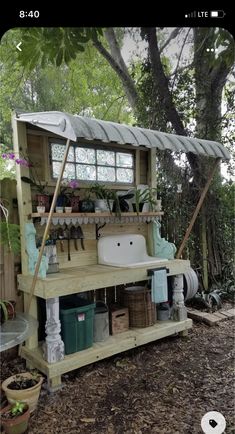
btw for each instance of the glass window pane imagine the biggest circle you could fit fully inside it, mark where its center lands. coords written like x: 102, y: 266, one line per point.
x: 124, y: 160
x: 106, y: 158
x: 69, y: 171
x: 125, y: 175
x: 57, y: 152
x: 87, y: 173
x: 85, y: 155
x: 106, y: 174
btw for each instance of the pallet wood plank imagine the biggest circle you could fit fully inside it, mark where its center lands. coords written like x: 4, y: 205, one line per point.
x: 210, y: 318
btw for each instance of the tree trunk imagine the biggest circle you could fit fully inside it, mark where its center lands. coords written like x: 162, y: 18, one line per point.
x: 210, y: 76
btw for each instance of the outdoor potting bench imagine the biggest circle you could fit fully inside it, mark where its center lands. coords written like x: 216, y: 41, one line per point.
x: 34, y: 135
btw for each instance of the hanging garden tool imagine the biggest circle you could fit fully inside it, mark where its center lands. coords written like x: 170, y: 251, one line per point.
x: 74, y: 235
x: 67, y: 236
x: 80, y: 236
x: 60, y: 236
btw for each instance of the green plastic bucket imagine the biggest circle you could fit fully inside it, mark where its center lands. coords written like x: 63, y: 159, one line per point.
x: 77, y: 325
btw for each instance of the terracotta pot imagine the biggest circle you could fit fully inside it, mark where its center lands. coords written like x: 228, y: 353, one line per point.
x: 43, y: 200
x: 29, y: 396
x: 74, y: 202
x: 16, y: 425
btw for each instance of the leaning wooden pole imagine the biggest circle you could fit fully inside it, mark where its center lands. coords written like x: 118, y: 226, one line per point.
x: 197, y: 209
x: 31, y: 293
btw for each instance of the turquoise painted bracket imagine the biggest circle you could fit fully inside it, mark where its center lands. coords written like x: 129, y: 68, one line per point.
x: 161, y: 247
x: 33, y: 252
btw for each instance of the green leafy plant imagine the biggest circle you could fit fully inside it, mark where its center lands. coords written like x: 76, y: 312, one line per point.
x: 151, y: 197
x: 9, y: 232
x: 103, y: 193
x: 140, y: 197
x: 99, y: 190
x: 10, y: 236
x: 18, y: 408
x: 42, y: 189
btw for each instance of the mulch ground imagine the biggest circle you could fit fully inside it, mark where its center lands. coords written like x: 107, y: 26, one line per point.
x: 161, y: 388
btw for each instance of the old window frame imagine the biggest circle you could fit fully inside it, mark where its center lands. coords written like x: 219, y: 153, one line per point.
x: 96, y: 148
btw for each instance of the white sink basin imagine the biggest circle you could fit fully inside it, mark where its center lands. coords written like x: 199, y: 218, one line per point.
x: 128, y: 250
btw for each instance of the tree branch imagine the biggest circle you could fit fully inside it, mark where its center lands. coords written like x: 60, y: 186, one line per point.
x: 173, y: 35
x: 165, y: 96
x: 180, y: 54
x: 117, y: 63
x: 161, y: 82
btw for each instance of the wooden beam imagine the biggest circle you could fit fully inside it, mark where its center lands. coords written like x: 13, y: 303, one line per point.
x: 48, y: 225
x: 197, y: 209
x: 23, y: 189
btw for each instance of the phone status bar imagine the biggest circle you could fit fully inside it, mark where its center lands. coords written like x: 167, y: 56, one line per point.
x: 206, y: 14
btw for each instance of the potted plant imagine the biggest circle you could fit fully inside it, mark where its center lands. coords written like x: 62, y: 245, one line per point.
x: 15, y: 418
x: 104, y: 197
x: 140, y: 198
x: 7, y: 310
x: 43, y: 198
x: 151, y: 198
x: 24, y: 387
x: 73, y: 200
x: 87, y: 204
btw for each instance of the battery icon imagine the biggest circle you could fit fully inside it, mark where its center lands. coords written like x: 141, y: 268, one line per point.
x: 217, y: 14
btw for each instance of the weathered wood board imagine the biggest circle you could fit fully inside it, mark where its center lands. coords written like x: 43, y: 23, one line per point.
x: 210, y: 318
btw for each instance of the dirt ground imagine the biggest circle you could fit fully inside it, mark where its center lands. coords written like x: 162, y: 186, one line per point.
x: 160, y: 388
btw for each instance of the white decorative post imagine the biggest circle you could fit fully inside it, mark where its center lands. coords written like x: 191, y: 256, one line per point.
x: 53, y: 350
x: 179, y: 311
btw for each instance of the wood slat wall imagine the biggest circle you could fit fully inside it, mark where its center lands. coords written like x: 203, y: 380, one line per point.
x: 89, y: 255
x: 9, y: 263
x: 38, y: 154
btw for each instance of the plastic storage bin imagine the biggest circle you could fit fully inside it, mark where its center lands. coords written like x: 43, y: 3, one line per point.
x: 77, y: 318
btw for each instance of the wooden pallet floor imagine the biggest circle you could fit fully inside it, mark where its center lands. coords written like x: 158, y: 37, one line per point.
x: 210, y: 318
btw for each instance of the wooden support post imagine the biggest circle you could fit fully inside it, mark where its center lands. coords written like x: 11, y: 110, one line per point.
x: 54, y: 383
x: 197, y: 209
x: 152, y: 183
x: 204, y: 251
x: 23, y: 189
x: 48, y: 223
x: 54, y: 346
x: 179, y: 311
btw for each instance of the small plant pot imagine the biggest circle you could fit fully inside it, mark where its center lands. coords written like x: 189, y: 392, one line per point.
x: 43, y: 200
x: 41, y: 209
x: 29, y: 396
x: 17, y: 424
x: 68, y: 209
x: 86, y: 205
x: 74, y: 202
x: 140, y: 207
x: 59, y: 209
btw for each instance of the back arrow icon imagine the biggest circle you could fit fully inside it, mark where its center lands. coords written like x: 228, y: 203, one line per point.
x: 18, y: 46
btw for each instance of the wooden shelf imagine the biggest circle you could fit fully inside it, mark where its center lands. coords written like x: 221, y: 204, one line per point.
x: 98, y: 214
x: 95, y: 217
x: 113, y: 345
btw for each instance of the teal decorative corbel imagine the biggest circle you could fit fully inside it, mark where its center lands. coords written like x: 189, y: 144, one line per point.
x: 161, y: 247
x: 33, y: 252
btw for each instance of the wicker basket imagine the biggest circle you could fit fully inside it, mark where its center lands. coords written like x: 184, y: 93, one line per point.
x: 142, y: 312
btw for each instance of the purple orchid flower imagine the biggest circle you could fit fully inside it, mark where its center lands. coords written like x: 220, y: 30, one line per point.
x: 73, y: 183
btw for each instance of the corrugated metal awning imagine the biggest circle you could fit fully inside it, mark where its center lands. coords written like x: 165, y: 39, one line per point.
x: 77, y: 127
